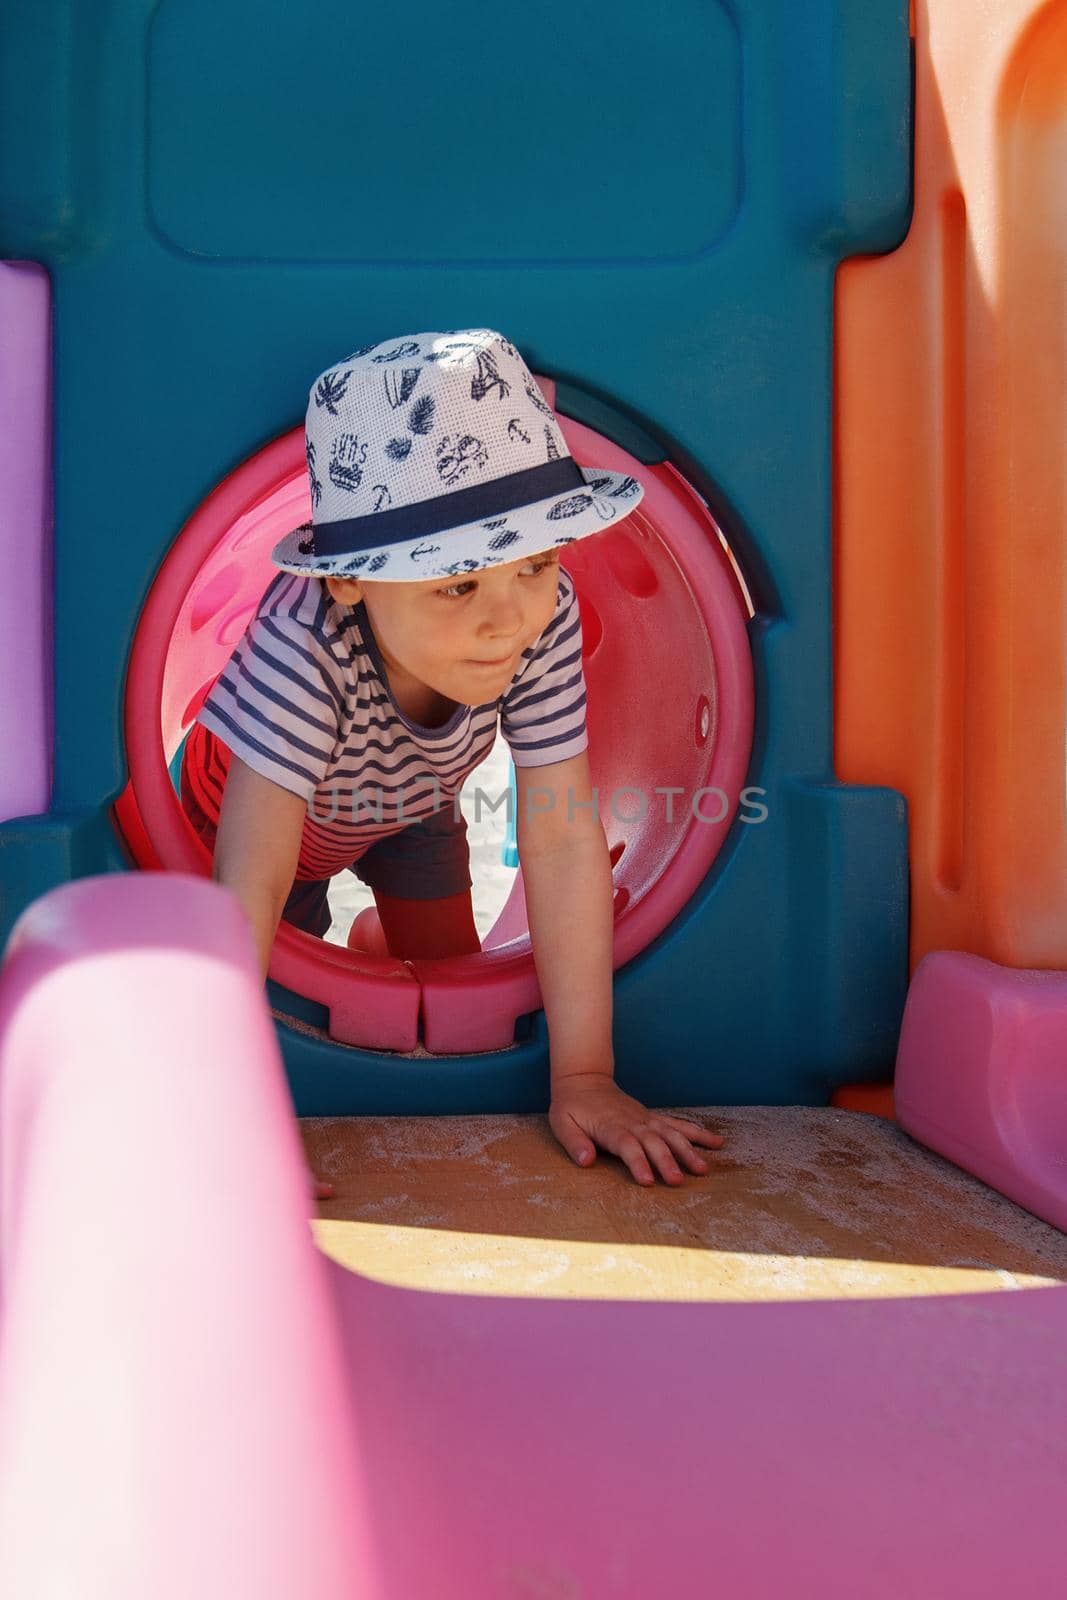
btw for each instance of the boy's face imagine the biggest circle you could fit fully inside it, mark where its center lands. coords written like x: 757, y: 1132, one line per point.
x: 460, y: 636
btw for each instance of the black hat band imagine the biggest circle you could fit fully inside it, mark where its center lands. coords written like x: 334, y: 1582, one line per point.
x: 444, y: 511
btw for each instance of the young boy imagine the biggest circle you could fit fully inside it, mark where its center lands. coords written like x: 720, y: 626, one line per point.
x: 424, y: 600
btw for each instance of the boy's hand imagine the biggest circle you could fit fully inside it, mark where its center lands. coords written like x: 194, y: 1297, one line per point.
x: 591, y: 1103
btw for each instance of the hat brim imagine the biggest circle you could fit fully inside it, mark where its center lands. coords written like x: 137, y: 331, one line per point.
x: 606, y: 498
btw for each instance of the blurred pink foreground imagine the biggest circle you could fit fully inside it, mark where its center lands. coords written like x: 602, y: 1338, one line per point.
x: 194, y: 1402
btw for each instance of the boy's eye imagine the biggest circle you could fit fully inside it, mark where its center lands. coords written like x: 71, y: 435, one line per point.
x: 452, y: 591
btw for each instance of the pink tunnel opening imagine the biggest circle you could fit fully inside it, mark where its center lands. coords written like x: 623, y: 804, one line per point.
x: 670, y: 713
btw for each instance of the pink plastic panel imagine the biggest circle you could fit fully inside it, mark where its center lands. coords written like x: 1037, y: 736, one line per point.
x: 981, y: 1074
x: 894, y: 1450
x: 25, y: 539
x: 192, y: 1403
x: 174, y: 1398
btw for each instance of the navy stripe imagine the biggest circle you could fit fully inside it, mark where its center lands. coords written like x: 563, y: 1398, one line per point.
x: 548, y: 632
x: 368, y: 811
x: 219, y: 765
x: 261, y: 749
x: 555, y: 666
x: 552, y: 692
x: 389, y: 787
x: 246, y: 676
x: 307, y: 684
x: 374, y: 778
x: 384, y: 700
x: 554, y: 716
x: 547, y: 744
x: 473, y: 730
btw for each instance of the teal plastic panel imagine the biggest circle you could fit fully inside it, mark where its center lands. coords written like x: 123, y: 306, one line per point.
x: 652, y: 203
x: 483, y: 133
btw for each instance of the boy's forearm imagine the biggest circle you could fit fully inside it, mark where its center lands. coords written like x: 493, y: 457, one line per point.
x: 257, y: 849
x: 569, y: 905
x: 262, y: 904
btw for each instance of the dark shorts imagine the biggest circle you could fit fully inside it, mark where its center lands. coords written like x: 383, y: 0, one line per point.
x: 427, y: 860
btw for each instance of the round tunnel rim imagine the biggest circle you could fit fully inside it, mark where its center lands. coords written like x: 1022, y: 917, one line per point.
x: 318, y: 969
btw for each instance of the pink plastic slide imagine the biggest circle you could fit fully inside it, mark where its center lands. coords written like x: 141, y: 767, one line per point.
x: 196, y: 1405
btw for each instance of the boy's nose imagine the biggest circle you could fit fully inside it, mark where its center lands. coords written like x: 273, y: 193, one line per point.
x: 503, y: 623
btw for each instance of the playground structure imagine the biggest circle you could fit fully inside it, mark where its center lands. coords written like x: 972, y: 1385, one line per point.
x: 841, y: 374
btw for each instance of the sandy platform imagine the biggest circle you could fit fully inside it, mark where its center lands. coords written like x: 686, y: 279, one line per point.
x: 800, y: 1203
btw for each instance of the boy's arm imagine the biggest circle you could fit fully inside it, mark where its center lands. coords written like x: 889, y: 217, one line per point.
x: 257, y: 848
x: 566, y: 872
x: 256, y: 851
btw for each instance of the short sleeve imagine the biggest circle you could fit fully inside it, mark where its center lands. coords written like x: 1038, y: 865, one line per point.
x: 278, y: 703
x: 542, y: 714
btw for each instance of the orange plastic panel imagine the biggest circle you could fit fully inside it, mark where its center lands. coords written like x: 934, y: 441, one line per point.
x: 874, y: 1098
x: 951, y: 490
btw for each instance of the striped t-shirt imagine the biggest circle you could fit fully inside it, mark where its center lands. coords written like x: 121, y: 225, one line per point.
x: 305, y: 701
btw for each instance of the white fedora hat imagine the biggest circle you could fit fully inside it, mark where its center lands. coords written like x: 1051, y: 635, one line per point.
x: 435, y: 454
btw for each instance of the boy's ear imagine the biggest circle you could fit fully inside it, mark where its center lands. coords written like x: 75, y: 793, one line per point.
x: 346, y: 591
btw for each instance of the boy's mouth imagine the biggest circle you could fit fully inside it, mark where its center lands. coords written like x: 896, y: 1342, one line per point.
x: 500, y: 661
